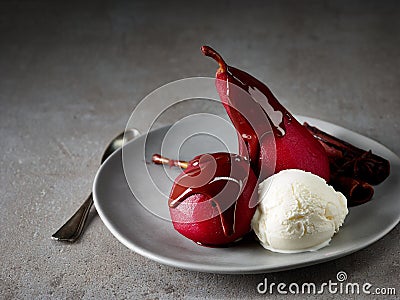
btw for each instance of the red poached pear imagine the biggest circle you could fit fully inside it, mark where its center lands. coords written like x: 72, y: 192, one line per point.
x: 214, y: 199
x: 287, y: 146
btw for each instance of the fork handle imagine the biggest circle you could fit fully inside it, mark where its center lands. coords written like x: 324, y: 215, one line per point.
x: 73, y: 228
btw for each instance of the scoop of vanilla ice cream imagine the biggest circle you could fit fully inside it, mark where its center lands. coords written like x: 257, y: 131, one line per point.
x: 298, y: 211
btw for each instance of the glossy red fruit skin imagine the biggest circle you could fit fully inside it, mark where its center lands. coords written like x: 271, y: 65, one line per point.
x: 288, y: 146
x: 199, y: 220
x: 296, y: 150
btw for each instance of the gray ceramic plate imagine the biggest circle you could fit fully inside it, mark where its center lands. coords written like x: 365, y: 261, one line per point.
x: 143, y: 226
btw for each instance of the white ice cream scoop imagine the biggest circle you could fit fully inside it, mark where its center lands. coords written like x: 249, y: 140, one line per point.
x: 298, y: 211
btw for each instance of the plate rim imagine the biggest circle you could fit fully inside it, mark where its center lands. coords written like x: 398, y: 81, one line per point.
x: 225, y: 269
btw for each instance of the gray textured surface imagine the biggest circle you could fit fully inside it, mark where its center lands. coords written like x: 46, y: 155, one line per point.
x: 71, y: 73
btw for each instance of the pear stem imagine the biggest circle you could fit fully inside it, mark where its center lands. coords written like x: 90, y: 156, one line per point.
x: 210, y: 52
x: 161, y: 160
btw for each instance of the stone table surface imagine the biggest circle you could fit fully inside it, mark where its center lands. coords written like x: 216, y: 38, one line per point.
x: 72, y: 72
